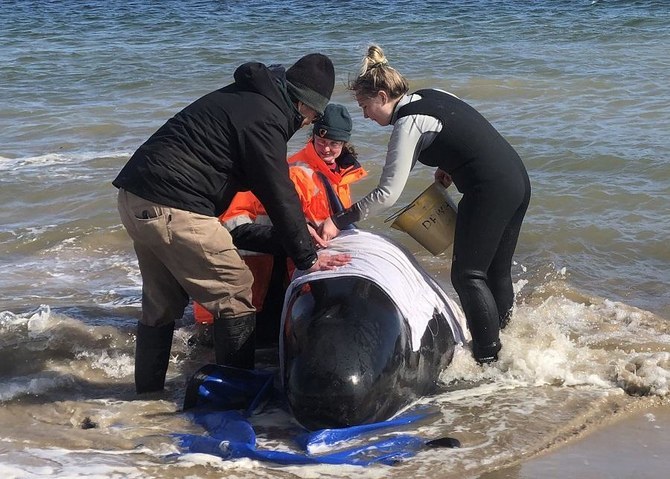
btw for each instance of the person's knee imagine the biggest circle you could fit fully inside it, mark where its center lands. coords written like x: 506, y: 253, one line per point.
x: 229, y: 298
x: 239, y: 303
x: 464, y: 279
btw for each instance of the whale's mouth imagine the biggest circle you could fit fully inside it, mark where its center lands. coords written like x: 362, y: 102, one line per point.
x: 335, y: 411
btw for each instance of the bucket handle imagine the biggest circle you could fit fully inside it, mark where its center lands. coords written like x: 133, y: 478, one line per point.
x: 399, y: 212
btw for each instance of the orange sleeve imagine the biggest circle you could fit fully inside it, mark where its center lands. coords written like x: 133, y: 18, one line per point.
x: 343, y: 192
x: 307, y: 192
x: 244, y: 203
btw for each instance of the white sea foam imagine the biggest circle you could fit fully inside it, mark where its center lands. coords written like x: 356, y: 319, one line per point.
x: 33, y: 385
x: 55, y: 159
x: 644, y: 374
x: 65, y: 464
x: 114, y: 366
x: 556, y: 343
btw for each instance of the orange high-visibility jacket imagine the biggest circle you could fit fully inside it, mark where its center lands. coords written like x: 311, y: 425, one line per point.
x: 303, y: 168
x: 246, y: 208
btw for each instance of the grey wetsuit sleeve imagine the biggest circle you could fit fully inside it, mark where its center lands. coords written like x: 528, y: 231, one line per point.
x: 410, y: 135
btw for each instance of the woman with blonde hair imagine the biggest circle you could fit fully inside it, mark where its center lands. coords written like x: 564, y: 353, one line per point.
x: 438, y: 129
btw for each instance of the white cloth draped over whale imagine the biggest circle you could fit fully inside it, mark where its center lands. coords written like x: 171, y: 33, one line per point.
x: 416, y: 294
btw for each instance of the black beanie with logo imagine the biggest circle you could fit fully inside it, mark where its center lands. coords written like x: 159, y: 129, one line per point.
x: 311, y: 80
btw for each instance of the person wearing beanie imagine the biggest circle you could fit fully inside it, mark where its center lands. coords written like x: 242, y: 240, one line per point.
x: 322, y: 172
x: 335, y: 124
x: 177, y: 183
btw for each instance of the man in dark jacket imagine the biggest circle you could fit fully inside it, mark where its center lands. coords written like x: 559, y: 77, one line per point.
x: 177, y: 183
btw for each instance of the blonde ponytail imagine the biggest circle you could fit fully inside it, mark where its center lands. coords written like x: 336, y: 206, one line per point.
x: 376, y: 75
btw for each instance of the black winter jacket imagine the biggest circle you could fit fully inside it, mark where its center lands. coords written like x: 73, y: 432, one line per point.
x: 233, y: 139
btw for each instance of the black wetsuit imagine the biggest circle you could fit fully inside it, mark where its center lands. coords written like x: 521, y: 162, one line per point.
x: 451, y: 135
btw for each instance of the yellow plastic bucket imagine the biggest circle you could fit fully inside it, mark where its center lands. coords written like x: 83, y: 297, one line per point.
x: 430, y: 219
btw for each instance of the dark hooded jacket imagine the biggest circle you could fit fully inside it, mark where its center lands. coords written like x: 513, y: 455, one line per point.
x: 233, y: 139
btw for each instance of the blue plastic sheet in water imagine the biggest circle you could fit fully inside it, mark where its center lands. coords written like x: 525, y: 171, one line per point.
x: 221, y: 399
x: 230, y: 435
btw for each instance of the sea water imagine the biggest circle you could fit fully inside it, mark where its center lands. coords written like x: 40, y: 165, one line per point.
x: 580, y: 90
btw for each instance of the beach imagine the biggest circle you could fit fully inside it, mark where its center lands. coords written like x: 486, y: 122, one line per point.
x: 632, y: 446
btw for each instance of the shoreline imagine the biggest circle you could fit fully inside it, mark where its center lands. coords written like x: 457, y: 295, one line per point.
x: 632, y: 445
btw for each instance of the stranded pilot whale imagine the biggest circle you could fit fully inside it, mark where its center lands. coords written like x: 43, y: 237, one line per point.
x: 356, y: 344
x: 360, y: 342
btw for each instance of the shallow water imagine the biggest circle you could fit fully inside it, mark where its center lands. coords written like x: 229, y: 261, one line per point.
x: 580, y: 89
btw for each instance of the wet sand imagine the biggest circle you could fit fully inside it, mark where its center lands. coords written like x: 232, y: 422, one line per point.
x: 636, y: 446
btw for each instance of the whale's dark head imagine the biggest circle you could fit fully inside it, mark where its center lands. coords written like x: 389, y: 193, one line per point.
x: 345, y: 348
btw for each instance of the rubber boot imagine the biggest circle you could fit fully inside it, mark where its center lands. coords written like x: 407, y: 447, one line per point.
x: 202, y: 336
x: 152, y: 355
x: 235, y: 341
x: 486, y: 354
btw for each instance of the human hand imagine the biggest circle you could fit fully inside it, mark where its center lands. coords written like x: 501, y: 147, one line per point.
x: 328, y: 230
x: 443, y: 177
x: 320, y: 242
x: 327, y: 261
